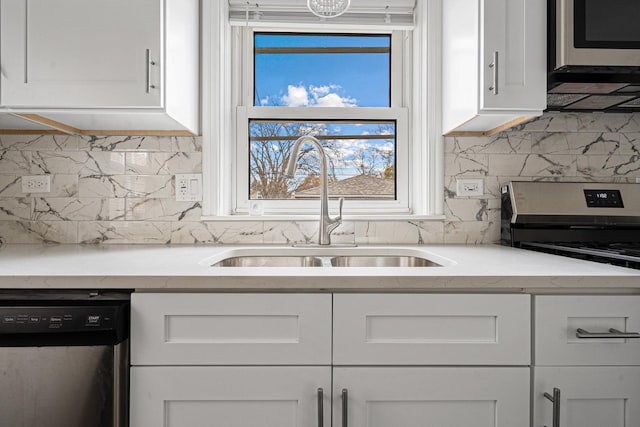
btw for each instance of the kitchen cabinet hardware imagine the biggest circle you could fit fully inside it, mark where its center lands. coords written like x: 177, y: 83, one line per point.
x: 555, y: 399
x: 150, y: 63
x: 494, y: 65
x: 320, y: 407
x: 345, y: 407
x: 613, y: 333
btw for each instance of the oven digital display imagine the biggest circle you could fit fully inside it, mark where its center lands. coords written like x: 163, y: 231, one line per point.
x: 603, y: 198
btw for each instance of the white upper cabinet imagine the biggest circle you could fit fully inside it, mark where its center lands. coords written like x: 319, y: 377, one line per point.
x: 89, y: 64
x: 494, y: 64
x: 81, y: 53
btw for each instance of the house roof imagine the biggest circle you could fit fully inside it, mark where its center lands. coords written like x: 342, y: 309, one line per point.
x: 355, y: 187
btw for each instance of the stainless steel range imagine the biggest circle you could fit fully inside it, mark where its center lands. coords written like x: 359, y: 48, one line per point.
x: 592, y: 221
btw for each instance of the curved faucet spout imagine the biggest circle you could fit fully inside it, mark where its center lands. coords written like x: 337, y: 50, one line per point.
x: 327, y: 224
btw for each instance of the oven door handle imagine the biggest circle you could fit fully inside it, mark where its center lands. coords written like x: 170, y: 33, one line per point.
x: 613, y: 333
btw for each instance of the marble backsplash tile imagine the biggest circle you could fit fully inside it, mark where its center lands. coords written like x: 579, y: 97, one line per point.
x: 113, y: 190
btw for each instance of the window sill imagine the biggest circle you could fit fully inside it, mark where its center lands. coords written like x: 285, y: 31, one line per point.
x: 312, y: 218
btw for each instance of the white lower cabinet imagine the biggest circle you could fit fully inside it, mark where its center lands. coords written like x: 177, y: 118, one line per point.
x: 260, y: 360
x: 587, y: 352
x: 589, y: 396
x: 205, y: 396
x: 438, y: 397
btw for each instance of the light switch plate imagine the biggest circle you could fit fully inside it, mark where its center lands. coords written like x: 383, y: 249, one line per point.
x: 188, y: 187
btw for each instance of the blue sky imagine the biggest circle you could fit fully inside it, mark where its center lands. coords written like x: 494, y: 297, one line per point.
x: 357, y: 79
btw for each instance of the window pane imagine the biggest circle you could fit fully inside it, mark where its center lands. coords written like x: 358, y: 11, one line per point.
x: 311, y: 70
x: 361, y: 159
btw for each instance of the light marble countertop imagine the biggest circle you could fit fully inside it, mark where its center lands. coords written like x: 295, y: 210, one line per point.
x: 157, y: 268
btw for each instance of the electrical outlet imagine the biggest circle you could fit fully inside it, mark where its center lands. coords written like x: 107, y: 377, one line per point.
x: 469, y: 187
x: 188, y: 187
x: 36, y: 184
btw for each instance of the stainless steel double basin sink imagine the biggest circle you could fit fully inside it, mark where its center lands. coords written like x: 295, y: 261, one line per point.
x: 363, y: 257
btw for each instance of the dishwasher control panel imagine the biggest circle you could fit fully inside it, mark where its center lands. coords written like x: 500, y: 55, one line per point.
x: 40, y: 319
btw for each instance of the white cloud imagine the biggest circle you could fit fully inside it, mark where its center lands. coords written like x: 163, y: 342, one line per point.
x: 321, y: 90
x: 297, y: 96
x: 316, y: 96
x: 332, y: 100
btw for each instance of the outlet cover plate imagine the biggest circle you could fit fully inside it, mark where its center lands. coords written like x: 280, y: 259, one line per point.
x: 188, y: 187
x: 469, y: 187
x: 36, y: 184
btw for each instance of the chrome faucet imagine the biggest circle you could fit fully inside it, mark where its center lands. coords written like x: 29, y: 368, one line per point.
x: 327, y: 224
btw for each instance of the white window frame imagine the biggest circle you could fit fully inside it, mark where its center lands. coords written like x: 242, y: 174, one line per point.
x: 228, y: 105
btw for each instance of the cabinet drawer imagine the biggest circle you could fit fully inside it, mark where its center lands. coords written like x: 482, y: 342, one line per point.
x: 231, y: 329
x: 383, y: 329
x: 558, y: 318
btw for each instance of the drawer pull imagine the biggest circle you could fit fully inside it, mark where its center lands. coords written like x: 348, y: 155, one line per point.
x: 320, y: 407
x: 345, y: 407
x: 613, y: 333
x: 555, y: 399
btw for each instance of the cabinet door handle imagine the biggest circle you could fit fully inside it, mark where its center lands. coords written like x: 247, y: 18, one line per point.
x: 345, y: 407
x: 613, y: 333
x: 320, y: 407
x: 150, y: 63
x: 556, y: 405
x: 494, y: 65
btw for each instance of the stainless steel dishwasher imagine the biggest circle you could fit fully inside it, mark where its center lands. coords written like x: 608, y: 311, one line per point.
x: 64, y: 359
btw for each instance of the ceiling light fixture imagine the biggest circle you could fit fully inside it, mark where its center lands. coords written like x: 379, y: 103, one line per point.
x: 328, y: 8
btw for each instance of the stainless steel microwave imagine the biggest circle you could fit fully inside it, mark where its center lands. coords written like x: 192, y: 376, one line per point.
x: 597, y: 32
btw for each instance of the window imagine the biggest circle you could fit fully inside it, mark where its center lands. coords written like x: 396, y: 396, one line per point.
x: 349, y: 85
x: 337, y: 87
x: 361, y: 159
x: 322, y: 70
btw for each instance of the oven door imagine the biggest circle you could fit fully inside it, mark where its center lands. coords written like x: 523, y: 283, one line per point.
x: 597, y: 32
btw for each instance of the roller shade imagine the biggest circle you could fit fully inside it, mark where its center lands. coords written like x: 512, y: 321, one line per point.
x: 392, y: 14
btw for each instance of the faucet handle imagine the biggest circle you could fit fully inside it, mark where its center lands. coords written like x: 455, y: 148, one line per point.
x: 341, y: 202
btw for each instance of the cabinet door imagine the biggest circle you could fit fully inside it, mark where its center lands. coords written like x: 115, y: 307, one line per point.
x: 229, y: 396
x: 513, y: 55
x: 442, y: 397
x: 230, y: 329
x: 383, y: 329
x: 589, y: 396
x: 80, y: 53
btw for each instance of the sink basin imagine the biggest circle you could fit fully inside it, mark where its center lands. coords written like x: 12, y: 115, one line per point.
x: 327, y: 257
x: 381, y: 261
x: 270, y: 261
